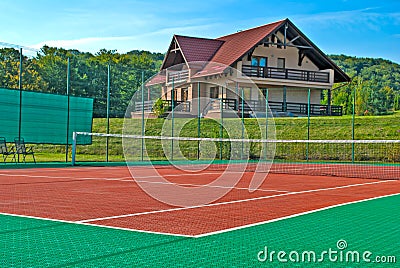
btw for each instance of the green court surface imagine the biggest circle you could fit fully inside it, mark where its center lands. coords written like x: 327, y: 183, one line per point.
x: 366, y: 226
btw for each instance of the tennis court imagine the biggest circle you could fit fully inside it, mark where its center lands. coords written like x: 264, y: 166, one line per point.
x: 100, y: 216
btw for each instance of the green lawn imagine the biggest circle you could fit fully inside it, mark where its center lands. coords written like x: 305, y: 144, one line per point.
x: 366, y: 127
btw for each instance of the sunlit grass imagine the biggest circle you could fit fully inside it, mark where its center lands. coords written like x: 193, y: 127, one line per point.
x: 323, y: 128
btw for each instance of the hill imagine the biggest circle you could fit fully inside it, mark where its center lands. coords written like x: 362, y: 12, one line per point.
x: 375, y: 81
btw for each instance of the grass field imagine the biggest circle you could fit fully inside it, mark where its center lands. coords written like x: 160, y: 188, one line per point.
x: 366, y: 127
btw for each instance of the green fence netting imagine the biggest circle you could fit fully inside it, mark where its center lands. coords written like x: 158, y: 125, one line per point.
x: 43, y: 117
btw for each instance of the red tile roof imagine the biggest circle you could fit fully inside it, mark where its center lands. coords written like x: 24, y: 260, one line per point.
x: 237, y: 44
x: 157, y: 79
x: 198, y: 49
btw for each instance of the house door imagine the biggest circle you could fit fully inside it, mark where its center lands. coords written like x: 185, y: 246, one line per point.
x: 184, y: 94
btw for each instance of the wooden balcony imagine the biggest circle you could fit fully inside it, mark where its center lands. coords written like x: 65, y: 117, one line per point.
x: 247, y: 106
x: 289, y: 74
x: 296, y: 108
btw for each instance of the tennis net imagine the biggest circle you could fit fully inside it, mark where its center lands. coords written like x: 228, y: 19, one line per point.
x: 371, y: 159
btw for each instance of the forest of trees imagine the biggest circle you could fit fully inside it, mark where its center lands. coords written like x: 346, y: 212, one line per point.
x: 376, y: 82
x: 47, y: 72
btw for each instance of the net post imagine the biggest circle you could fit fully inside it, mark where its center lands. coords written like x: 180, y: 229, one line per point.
x: 73, y: 156
x: 68, y: 108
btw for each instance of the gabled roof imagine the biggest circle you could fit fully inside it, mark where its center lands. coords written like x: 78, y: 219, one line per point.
x: 231, y: 48
x: 198, y: 49
x: 192, y: 49
x: 236, y: 45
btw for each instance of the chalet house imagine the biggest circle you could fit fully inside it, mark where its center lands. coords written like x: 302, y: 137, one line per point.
x: 278, y: 59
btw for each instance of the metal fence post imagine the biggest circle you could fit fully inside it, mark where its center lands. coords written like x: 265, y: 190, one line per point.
x: 266, y: 122
x: 353, y: 126
x: 221, y: 128
x: 172, y: 117
x: 198, y: 120
x: 68, y: 108
x: 20, y: 96
x: 142, y: 125
x: 308, y: 121
x: 242, y: 116
x: 108, y: 110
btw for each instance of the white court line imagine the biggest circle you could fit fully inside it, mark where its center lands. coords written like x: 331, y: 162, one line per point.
x: 130, y: 179
x: 291, y: 216
x: 96, y: 178
x: 64, y: 177
x: 96, y: 225
x: 296, y: 169
x: 211, y: 186
x: 230, y: 202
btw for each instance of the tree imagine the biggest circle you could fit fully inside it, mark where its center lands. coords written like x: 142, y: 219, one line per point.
x: 376, y: 81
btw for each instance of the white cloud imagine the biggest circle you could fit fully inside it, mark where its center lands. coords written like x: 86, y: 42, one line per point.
x: 364, y: 19
x: 154, y: 40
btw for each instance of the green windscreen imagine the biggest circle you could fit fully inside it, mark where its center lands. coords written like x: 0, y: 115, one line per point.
x: 44, y: 116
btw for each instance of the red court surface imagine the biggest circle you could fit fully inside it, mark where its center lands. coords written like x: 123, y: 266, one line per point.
x: 109, y: 196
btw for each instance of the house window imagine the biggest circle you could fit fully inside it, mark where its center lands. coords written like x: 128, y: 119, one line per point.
x: 281, y: 63
x: 259, y: 61
x: 214, y: 92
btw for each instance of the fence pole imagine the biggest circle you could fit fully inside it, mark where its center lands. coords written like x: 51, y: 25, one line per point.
x: 242, y: 116
x: 266, y: 122
x: 308, y: 121
x: 353, y: 125
x: 68, y: 108
x: 172, y: 116
x: 20, y: 96
x: 108, y: 109
x: 221, y: 110
x: 143, y: 131
x: 198, y: 120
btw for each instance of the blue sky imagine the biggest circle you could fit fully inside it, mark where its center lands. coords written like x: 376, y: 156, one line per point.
x: 358, y: 28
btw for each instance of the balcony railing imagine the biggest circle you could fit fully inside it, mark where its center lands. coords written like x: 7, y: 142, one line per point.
x: 177, y: 76
x: 247, y: 106
x: 293, y: 107
x: 290, y: 74
x: 179, y: 106
x: 146, y: 106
